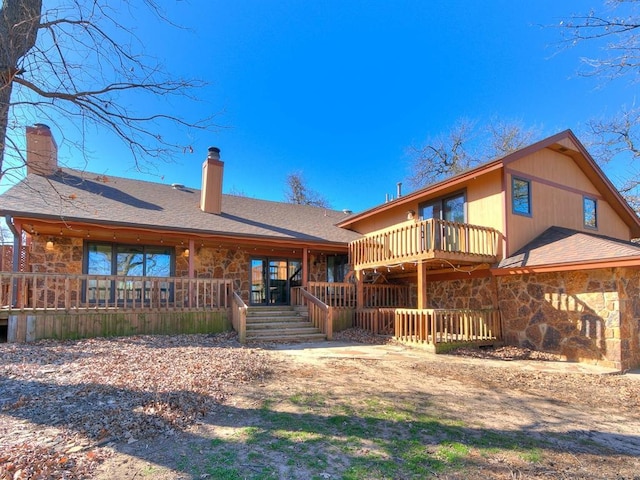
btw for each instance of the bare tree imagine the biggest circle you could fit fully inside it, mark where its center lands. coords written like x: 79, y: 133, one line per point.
x: 80, y: 62
x: 466, y: 145
x: 615, y: 31
x: 298, y: 192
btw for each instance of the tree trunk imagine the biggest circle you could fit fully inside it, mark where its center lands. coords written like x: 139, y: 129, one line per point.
x: 19, y: 22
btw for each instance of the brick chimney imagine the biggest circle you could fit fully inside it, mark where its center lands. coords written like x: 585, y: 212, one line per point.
x: 211, y: 194
x: 42, y: 150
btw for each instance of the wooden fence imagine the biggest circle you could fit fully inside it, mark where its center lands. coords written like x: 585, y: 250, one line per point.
x: 413, y: 241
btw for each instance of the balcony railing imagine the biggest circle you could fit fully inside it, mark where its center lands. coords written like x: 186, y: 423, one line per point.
x: 23, y: 291
x: 432, y: 238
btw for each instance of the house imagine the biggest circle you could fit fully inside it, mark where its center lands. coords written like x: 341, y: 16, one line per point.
x: 109, y: 255
x: 540, y: 236
x: 531, y: 249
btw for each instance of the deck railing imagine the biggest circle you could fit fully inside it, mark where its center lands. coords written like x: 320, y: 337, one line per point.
x: 239, y: 316
x: 23, y: 291
x: 334, y: 294
x: 320, y: 314
x: 413, y: 241
x: 376, y: 296
x: 432, y: 326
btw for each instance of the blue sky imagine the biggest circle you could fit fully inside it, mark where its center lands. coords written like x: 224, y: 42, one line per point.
x: 338, y: 90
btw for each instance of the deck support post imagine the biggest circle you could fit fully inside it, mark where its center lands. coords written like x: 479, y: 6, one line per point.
x: 422, y: 286
x: 359, y: 290
x: 305, y: 267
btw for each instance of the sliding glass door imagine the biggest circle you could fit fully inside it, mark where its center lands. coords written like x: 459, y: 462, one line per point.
x: 272, y: 279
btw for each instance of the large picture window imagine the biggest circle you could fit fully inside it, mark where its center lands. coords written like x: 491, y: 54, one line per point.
x: 111, y: 259
x: 521, y: 196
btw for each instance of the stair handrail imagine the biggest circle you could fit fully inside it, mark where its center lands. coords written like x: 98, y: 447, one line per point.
x: 325, y: 323
x: 239, y: 316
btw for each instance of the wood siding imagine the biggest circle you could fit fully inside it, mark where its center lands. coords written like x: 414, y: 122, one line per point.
x: 558, y: 187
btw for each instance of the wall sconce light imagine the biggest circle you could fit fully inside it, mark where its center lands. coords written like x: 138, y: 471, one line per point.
x: 49, y: 245
x: 185, y: 253
x: 411, y: 214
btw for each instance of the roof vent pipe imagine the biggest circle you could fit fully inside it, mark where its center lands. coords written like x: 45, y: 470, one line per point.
x: 399, y: 190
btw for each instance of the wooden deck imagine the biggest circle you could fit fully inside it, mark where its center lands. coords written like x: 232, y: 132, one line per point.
x: 432, y: 239
x: 34, y: 306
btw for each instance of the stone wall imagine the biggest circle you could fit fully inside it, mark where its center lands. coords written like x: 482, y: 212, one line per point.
x: 230, y: 264
x: 64, y: 255
x: 589, y: 315
x: 629, y: 299
x: 471, y: 293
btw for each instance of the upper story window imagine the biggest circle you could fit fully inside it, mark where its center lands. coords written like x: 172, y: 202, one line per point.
x: 450, y: 208
x: 590, y: 212
x: 521, y: 196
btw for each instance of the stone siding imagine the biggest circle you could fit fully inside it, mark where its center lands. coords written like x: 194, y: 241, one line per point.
x: 64, y: 256
x: 472, y: 294
x: 589, y: 315
x: 225, y: 263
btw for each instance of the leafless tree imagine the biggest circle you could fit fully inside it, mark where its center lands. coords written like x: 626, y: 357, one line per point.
x: 80, y: 61
x: 298, y: 192
x: 467, y: 144
x: 615, y: 32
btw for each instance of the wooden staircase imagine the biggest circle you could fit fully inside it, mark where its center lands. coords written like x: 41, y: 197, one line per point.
x: 281, y: 324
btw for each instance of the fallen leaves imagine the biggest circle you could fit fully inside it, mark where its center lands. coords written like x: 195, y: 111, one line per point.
x: 60, y: 398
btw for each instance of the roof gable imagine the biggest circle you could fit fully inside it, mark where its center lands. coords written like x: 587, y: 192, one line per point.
x: 564, y: 142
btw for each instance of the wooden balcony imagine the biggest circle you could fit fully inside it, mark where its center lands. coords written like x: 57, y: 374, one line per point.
x: 413, y: 242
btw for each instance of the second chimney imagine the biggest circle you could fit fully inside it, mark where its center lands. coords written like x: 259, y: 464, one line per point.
x: 42, y: 150
x: 211, y: 193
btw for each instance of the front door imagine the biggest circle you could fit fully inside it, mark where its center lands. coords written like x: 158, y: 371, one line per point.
x: 272, y: 279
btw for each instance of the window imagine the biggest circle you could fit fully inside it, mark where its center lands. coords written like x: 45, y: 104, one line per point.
x: 521, y: 196
x: 451, y: 209
x: 337, y: 268
x: 590, y: 212
x: 126, y: 261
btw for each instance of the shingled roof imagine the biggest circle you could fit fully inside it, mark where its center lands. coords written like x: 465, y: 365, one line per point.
x: 557, y: 246
x: 73, y: 195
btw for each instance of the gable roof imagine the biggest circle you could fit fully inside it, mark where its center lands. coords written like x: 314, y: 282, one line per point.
x: 85, y: 197
x: 558, y: 246
x: 564, y: 142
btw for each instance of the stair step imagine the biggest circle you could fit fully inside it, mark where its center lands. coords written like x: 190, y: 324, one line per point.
x: 278, y: 325
x: 311, y: 337
x: 269, y: 319
x: 281, y: 324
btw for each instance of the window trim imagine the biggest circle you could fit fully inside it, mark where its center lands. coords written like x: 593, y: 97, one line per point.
x: 529, y: 212
x: 586, y: 198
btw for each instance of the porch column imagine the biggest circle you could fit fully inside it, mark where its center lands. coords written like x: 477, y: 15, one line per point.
x: 305, y: 267
x: 422, y: 286
x: 359, y: 290
x: 192, y: 272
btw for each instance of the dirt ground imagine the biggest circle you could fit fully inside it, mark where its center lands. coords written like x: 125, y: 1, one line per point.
x: 204, y: 407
